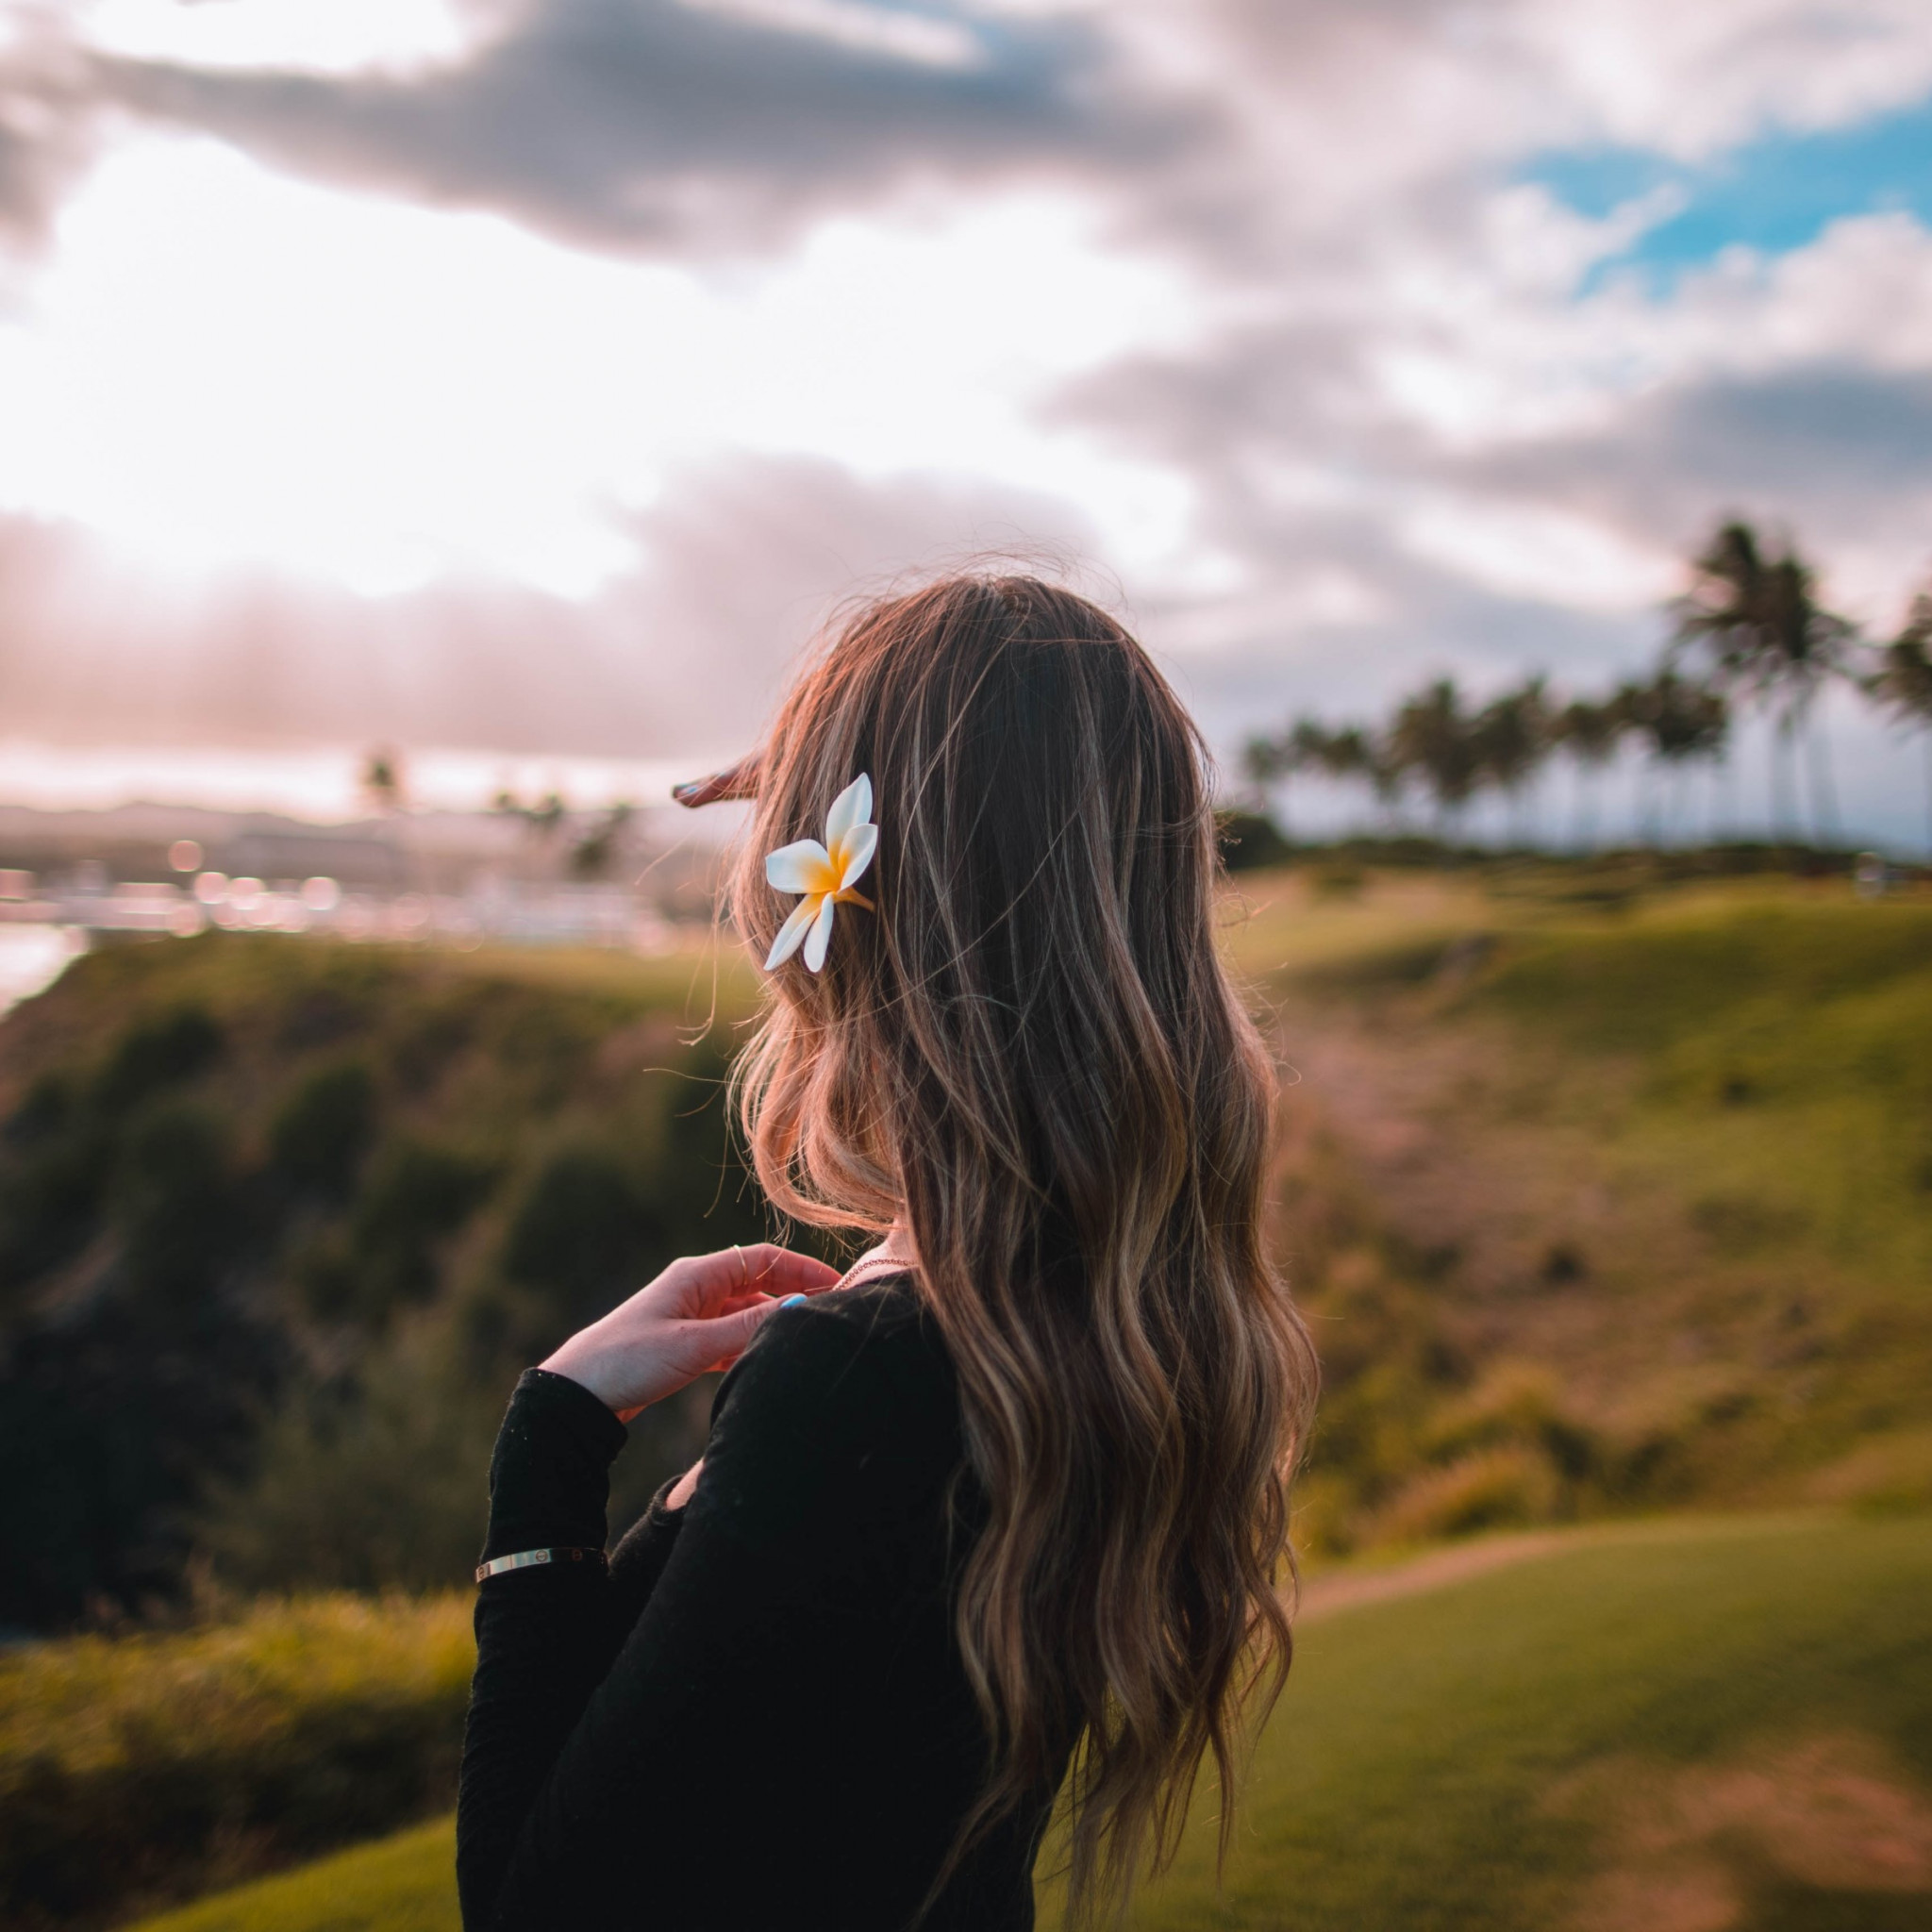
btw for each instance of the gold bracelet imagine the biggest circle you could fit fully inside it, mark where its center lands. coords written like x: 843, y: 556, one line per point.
x: 528, y: 1559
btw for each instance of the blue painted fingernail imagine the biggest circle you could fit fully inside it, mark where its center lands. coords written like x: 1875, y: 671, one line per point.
x: 791, y: 1301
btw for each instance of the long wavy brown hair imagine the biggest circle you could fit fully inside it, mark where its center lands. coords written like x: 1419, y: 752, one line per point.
x: 1031, y: 1052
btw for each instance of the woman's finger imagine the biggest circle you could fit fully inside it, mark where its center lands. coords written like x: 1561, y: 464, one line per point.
x: 718, y: 1342
x: 709, y: 1281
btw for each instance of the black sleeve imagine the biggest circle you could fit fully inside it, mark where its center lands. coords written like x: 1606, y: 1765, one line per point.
x: 736, y: 1724
x: 545, y: 1637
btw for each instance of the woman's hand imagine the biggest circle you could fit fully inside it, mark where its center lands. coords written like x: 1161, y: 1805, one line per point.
x: 700, y: 1314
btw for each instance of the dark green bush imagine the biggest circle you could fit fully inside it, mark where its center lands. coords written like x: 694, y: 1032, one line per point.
x: 318, y: 1138
x: 584, y: 1231
x: 1249, y: 840
x: 112, y: 1416
x: 377, y: 1481
x: 174, y: 1198
x: 49, y: 1200
x: 417, y: 1195
x: 240, y: 1177
x: 157, y: 1054
x: 137, y: 1768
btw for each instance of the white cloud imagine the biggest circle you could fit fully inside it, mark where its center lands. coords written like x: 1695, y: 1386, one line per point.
x: 221, y: 366
x: 397, y: 37
x: 1690, y: 80
x: 1533, y: 551
x: 1248, y: 292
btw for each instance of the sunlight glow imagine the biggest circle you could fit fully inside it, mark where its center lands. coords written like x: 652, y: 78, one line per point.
x: 220, y: 365
x: 317, y: 36
x: 323, y: 782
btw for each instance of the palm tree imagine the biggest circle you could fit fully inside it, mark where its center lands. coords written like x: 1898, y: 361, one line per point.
x: 1758, y: 621
x: 1903, y: 683
x: 1679, y: 719
x: 1432, y: 735
x: 543, y: 818
x: 1591, y: 733
x: 594, y: 855
x: 1512, y: 735
x: 1306, y: 744
x: 386, y: 789
x: 1269, y: 763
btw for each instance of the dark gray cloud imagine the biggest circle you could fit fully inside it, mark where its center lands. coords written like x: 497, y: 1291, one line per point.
x: 1828, y: 431
x: 645, y: 123
x: 1838, y: 454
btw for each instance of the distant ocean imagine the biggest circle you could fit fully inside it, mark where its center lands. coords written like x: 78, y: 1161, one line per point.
x: 32, y: 957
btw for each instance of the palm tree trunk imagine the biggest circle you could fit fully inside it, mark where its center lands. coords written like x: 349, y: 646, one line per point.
x: 1783, y: 819
x: 1646, y: 805
x: 1928, y: 735
x: 1586, y: 810
x: 1825, y: 817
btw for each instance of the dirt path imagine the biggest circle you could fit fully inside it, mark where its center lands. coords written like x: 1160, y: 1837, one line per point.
x: 1323, y: 1596
x: 1496, y: 1166
x: 1433, y: 1118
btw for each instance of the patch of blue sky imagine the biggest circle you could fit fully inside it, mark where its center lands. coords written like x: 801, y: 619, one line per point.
x: 1773, y: 195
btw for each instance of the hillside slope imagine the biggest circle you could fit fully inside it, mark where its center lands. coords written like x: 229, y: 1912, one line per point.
x: 1659, y: 1728
x: 280, y: 1220
x: 1594, y: 1207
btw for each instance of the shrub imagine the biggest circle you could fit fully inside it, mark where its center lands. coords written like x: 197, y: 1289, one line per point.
x: 1250, y: 840
x: 237, y: 1177
x: 174, y: 1203
x: 419, y: 1194
x: 1519, y: 1403
x: 157, y: 1054
x: 377, y: 1482
x: 136, y: 1769
x: 584, y: 1232
x: 324, y: 1127
x: 1484, y: 1490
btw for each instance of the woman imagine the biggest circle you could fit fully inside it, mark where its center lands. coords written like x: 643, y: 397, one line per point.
x: 1007, y: 1510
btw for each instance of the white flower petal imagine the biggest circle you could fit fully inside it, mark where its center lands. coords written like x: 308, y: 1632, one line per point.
x: 853, y: 807
x: 820, y: 934
x: 804, y: 867
x: 855, y: 852
x: 792, y: 934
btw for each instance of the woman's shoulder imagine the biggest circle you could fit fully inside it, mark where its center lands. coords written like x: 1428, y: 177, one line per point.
x: 863, y: 1355
x: 843, y: 1412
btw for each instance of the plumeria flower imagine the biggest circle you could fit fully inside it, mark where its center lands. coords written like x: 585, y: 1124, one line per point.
x: 825, y: 873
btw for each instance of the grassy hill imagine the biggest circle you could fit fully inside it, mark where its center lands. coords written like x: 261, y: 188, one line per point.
x: 1602, y: 1195
x: 1605, y: 1196
x: 1601, y: 1205
x: 280, y: 1221
x: 1659, y: 1726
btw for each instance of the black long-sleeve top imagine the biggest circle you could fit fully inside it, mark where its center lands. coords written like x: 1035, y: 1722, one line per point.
x: 759, y: 1717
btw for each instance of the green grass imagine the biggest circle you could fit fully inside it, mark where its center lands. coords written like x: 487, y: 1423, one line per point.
x: 1674, y: 1155
x: 1415, y: 1775
x: 1406, y: 1781
x: 159, y: 1764
x: 1784, y: 1054
x: 402, y: 1884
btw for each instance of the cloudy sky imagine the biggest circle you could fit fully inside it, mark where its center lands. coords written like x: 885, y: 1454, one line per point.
x: 526, y: 379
